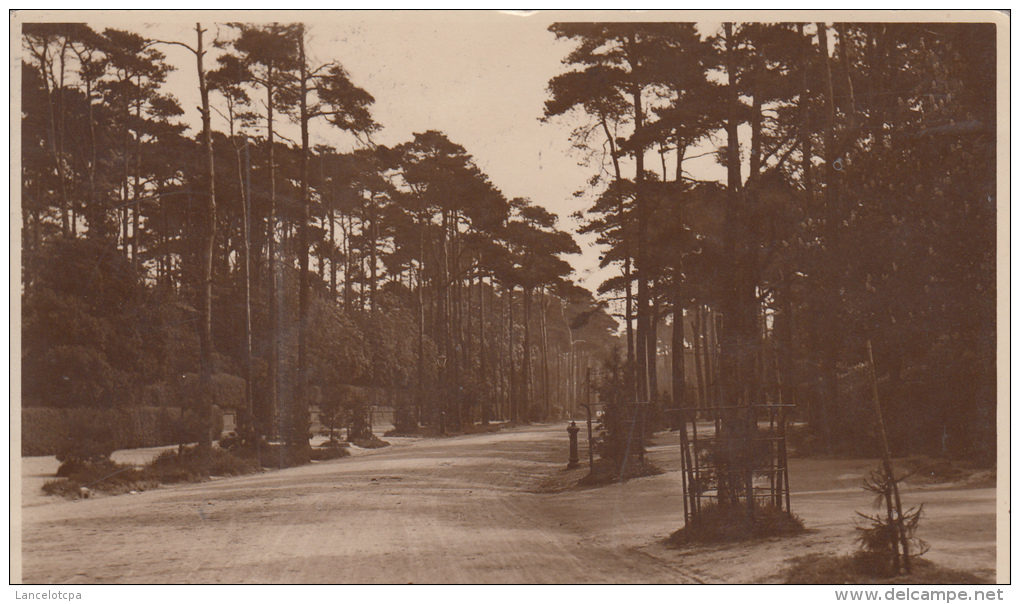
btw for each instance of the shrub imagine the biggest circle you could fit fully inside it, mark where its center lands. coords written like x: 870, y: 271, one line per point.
x: 105, y: 476
x: 187, y: 464
x: 191, y: 464
x: 73, y: 466
x: 370, y: 442
x: 330, y: 450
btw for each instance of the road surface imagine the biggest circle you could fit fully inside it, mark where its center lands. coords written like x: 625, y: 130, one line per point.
x: 490, y: 508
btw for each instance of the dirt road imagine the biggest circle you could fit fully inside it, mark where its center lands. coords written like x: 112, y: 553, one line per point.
x: 473, y: 509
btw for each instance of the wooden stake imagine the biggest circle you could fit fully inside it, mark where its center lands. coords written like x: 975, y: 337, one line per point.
x: 887, y: 465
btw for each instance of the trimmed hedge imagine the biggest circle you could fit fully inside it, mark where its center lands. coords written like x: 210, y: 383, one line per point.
x: 50, y: 431
x: 228, y: 391
x: 380, y: 397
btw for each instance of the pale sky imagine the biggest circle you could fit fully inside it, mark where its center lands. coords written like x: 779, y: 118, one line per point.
x: 480, y: 77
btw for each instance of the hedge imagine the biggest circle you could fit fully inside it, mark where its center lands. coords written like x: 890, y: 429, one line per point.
x: 47, y: 430
x: 380, y: 397
x: 228, y: 392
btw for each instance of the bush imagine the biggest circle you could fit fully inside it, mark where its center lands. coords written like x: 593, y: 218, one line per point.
x: 84, y: 477
x: 330, y: 450
x: 187, y: 464
x: 191, y: 464
x: 76, y: 465
x: 370, y: 442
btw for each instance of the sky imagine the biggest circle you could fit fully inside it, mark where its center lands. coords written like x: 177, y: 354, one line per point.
x: 478, y: 76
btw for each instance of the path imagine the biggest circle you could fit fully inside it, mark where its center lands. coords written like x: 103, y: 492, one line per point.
x: 458, y: 510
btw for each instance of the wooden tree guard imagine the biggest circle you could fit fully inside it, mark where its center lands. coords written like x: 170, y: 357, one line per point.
x: 740, y: 459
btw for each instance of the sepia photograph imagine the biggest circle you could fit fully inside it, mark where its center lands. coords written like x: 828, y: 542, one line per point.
x: 510, y: 298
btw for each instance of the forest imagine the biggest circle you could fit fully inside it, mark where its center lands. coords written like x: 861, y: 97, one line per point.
x: 858, y: 209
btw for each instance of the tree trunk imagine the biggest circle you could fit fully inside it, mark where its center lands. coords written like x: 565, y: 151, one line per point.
x: 732, y: 378
x: 526, y: 360
x: 652, y: 343
x: 272, y: 427
x: 699, y: 347
x: 830, y: 345
x: 421, y: 314
x: 625, y: 243
x: 249, y: 423
x: 299, y: 424
x: 677, y: 349
x: 805, y: 115
x: 514, y: 406
x: 642, y: 386
x: 208, y: 246
x: 545, y: 356
x: 483, y: 367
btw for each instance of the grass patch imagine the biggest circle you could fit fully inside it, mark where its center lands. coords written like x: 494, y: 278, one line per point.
x: 721, y: 524
x: 83, y: 479
x: 856, y: 569
x: 604, y: 472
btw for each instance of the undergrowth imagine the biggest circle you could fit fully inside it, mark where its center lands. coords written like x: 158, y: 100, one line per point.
x: 82, y: 479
